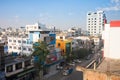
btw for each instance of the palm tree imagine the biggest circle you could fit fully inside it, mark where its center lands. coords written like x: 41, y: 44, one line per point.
x: 40, y: 53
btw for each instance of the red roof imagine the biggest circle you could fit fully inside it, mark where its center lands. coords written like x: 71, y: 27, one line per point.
x: 115, y: 23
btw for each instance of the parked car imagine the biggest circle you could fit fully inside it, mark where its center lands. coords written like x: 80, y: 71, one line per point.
x: 68, y: 70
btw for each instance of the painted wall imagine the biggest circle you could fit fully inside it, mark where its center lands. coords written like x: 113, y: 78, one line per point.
x: 112, y: 40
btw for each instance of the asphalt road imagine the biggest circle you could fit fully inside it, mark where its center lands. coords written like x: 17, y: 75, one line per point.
x: 75, y: 75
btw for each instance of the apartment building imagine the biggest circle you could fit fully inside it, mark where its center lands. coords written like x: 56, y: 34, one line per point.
x: 95, y: 23
x: 23, y: 44
x: 19, y: 68
x: 74, y: 31
x: 36, y: 26
x: 20, y: 45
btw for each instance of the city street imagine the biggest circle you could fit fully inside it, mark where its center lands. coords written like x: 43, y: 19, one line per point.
x: 75, y: 75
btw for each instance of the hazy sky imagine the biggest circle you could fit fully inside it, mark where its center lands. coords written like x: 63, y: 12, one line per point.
x: 62, y: 14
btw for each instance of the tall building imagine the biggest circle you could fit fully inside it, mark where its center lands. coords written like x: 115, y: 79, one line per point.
x: 95, y: 23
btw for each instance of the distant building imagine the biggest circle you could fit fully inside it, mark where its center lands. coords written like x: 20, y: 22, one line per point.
x: 74, y: 31
x: 112, y: 40
x: 36, y: 26
x: 64, y: 45
x: 95, y: 23
x: 23, y: 44
x: 19, y: 45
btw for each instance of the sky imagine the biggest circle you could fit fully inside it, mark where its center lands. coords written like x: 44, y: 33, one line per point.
x: 63, y: 14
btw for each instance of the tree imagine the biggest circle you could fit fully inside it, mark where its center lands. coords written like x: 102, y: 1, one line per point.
x: 40, y: 53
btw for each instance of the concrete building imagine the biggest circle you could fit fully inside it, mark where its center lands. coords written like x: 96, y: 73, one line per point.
x: 23, y: 44
x: 95, y: 23
x: 18, y: 68
x: 74, y: 31
x: 112, y: 40
x: 20, y: 45
x: 2, y: 55
x: 36, y: 26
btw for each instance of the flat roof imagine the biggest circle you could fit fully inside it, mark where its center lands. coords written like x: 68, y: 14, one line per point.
x: 110, y: 65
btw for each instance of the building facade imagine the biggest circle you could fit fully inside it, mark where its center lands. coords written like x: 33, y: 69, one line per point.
x: 112, y: 40
x: 19, y: 45
x: 2, y: 57
x: 19, y: 68
x: 23, y: 44
x: 74, y: 31
x: 95, y: 23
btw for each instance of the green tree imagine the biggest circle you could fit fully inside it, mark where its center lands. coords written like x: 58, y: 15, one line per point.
x: 40, y: 53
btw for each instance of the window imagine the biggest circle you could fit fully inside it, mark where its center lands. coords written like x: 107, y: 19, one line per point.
x: 9, y: 68
x: 19, y: 48
x: 27, y: 63
x: 58, y: 44
x: 18, y: 66
x: 61, y: 37
x: 39, y: 27
x: 34, y: 27
x: 24, y: 48
x: 29, y: 49
x: 19, y: 41
x: 24, y: 41
x: 14, y: 47
x: 10, y: 47
x: 14, y: 40
x: 10, y: 40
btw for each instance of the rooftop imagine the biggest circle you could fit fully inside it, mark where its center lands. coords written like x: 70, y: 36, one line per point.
x: 110, y: 65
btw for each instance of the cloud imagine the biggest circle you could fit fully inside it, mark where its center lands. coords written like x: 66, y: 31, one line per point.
x: 114, y: 6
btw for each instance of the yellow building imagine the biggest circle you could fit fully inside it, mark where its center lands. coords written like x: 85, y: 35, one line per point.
x: 64, y: 45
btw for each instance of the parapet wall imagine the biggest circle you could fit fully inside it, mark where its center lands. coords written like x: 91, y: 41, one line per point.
x: 90, y: 74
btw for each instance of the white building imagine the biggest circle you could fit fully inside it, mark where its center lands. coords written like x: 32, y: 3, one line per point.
x: 74, y: 31
x: 95, y: 23
x: 23, y: 44
x: 111, y: 37
x: 36, y: 26
x: 19, y: 45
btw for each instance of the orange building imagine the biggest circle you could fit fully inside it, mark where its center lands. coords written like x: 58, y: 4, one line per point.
x: 64, y: 45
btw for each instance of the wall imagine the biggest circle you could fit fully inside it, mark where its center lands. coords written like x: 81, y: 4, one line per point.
x: 90, y: 74
x: 96, y: 75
